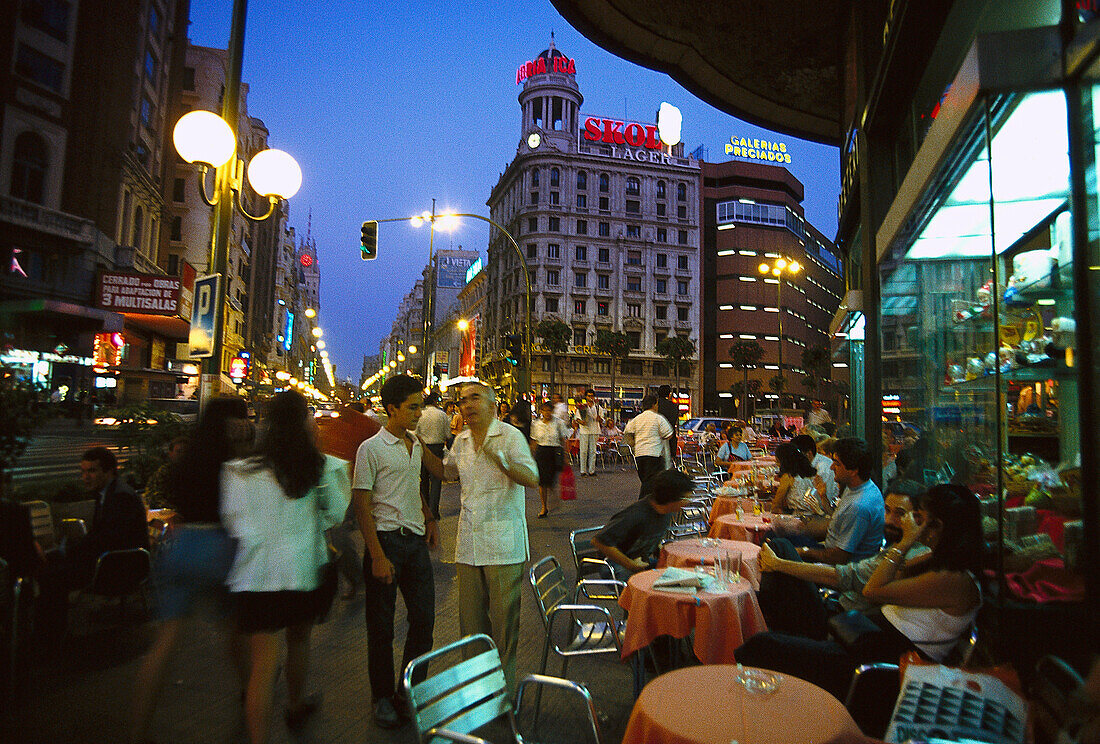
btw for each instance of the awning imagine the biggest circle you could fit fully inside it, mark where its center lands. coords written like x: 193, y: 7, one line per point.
x: 168, y: 326
x: 101, y: 321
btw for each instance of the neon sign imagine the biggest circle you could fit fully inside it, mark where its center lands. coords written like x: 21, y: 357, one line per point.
x: 564, y: 65
x: 287, y: 338
x: 615, y: 132
x: 758, y: 149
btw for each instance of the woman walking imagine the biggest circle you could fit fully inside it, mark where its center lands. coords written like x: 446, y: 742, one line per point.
x: 277, y: 504
x: 548, y: 434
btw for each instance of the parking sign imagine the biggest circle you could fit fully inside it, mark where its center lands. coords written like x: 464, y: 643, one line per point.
x: 203, y: 314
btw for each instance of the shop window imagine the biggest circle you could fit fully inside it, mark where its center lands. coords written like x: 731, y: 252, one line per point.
x: 30, y: 161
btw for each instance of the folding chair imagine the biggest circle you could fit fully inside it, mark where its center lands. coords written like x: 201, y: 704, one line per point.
x: 587, y: 560
x: 42, y: 524
x: 460, y: 698
x: 626, y: 454
x: 120, y: 574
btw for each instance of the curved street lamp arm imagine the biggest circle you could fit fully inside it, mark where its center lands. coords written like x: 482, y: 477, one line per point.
x: 272, y: 201
x: 210, y: 201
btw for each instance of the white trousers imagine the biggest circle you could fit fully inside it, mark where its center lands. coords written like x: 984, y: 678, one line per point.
x: 588, y: 452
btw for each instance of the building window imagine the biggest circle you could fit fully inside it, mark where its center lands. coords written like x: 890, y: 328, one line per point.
x: 660, y: 286
x: 660, y: 209
x: 605, y: 183
x: 150, y: 65
x: 682, y: 211
x: 532, y: 224
x: 580, y: 279
x: 681, y: 192
x: 173, y: 267
x: 633, y: 258
x: 553, y: 251
x: 581, y: 253
x: 601, y: 366
x: 662, y: 235
x: 633, y: 231
x: 535, y: 178
x: 39, y: 68
x: 682, y: 314
x: 682, y: 238
x: 603, y: 308
x: 179, y: 190
x: 176, y: 230
x: 146, y: 112
x: 582, y: 201
x: 605, y: 204
x: 50, y: 16
x: 605, y: 229
x: 554, y: 197
x: 603, y: 281
x: 682, y: 263
x: 141, y: 152
x: 551, y: 304
x: 660, y: 189
x: 633, y: 206
x: 534, y: 197
x: 633, y: 186
x: 635, y: 338
x: 582, y: 181
x: 634, y: 284
x: 580, y: 307
x: 662, y: 312
x: 660, y: 369
x: 604, y: 255
x: 555, y: 224
x: 681, y: 286
x: 579, y: 365
x: 30, y: 160
x: 633, y: 310
x: 662, y: 260
x: 188, y: 78
x: 582, y: 227
x: 532, y: 250
x: 553, y: 278
x: 555, y: 178
x: 580, y: 336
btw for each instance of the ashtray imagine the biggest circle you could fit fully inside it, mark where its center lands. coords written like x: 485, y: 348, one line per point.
x: 758, y: 681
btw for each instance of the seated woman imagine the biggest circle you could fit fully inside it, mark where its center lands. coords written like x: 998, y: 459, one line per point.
x: 733, y: 449
x: 795, y: 492
x: 928, y: 602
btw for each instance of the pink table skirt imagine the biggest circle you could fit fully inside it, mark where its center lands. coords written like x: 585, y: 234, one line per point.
x: 749, y: 528
x: 722, y: 620
x: 728, y: 505
x: 690, y: 553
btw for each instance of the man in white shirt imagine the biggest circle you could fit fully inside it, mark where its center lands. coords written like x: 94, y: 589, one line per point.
x: 398, y: 528
x: 587, y: 420
x: 432, y: 430
x: 646, y: 434
x: 561, y: 408
x: 493, y: 462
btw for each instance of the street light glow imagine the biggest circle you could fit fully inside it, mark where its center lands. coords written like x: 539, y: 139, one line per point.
x: 764, y: 268
x: 317, y: 332
x: 463, y: 324
x: 320, y: 344
x: 204, y: 137
x: 274, y: 173
x: 412, y: 349
x: 311, y: 313
x: 669, y: 120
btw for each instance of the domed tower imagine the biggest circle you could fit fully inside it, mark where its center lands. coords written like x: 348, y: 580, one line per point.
x: 550, y: 100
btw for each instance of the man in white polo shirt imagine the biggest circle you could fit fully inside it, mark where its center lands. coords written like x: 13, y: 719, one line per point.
x: 587, y: 420
x: 646, y: 434
x: 398, y: 528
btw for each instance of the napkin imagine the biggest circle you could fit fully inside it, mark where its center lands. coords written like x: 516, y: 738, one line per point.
x: 681, y: 580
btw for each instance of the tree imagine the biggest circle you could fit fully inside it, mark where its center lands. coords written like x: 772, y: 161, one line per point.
x: 555, y: 336
x: 816, y: 360
x: 746, y: 355
x: 675, y: 349
x: 617, y: 345
x: 778, y: 383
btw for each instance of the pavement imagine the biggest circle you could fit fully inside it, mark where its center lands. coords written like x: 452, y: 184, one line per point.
x: 81, y: 691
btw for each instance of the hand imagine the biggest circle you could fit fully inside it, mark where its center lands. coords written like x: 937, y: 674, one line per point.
x: 382, y: 569
x: 639, y: 565
x: 819, y: 485
x: 431, y: 534
x: 769, y: 561
x: 911, y: 532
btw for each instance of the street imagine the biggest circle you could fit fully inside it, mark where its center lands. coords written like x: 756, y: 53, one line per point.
x: 54, y: 452
x: 81, y: 693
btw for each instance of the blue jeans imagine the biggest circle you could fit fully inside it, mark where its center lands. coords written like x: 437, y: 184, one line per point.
x: 412, y: 574
x: 193, y: 560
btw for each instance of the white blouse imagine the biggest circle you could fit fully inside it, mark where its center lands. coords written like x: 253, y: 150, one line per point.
x: 548, y: 434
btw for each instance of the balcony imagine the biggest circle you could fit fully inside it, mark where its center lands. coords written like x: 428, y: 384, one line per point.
x: 580, y: 290
x: 662, y: 270
x: 604, y: 292
x: 43, y: 219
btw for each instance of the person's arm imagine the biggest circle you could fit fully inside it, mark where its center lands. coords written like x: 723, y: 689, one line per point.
x: 665, y: 428
x: 833, y: 555
x: 721, y: 459
x: 818, y: 573
x: 431, y: 460
x: 779, y: 501
x: 947, y: 590
x: 517, y: 464
x: 615, y: 555
x: 380, y: 566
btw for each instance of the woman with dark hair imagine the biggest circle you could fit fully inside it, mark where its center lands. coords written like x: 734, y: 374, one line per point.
x: 520, y: 417
x: 929, y: 602
x: 795, y: 492
x: 548, y: 436
x: 502, y: 411
x: 278, y: 504
x: 195, y: 557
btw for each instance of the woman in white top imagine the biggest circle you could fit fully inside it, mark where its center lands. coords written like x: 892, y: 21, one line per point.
x: 277, y: 505
x: 795, y: 492
x: 548, y: 434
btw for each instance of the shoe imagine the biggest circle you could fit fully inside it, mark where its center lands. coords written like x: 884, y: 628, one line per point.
x: 385, y: 716
x: 543, y: 514
x: 297, y: 716
x: 401, y: 705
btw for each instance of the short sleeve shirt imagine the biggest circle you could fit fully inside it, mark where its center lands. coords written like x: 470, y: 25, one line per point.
x: 856, y: 526
x: 851, y: 578
x: 386, y: 468
x: 636, y: 530
x: 587, y: 419
x: 741, y: 452
x: 650, y: 430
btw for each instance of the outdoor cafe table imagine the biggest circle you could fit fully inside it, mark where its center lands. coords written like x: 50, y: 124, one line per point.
x: 707, y: 705
x: 692, y: 552
x: 749, y: 528
x: 722, y: 620
x: 728, y: 505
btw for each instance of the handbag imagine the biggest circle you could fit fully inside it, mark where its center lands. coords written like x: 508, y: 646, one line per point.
x: 568, y: 484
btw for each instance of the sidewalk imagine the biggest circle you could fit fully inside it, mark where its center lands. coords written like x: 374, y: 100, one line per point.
x: 84, y: 696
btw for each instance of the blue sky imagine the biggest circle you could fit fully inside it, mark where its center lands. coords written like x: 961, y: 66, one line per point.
x: 387, y: 105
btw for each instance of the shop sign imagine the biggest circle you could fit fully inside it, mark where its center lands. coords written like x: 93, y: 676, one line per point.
x: 582, y: 350
x: 475, y: 267
x: 563, y: 65
x: 615, y: 132
x: 203, y: 315
x: 149, y: 294
x: 238, y: 367
x: 25, y: 356
x: 758, y: 149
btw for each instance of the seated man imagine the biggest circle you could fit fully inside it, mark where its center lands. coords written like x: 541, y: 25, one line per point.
x: 632, y: 537
x: 733, y: 449
x: 789, y: 598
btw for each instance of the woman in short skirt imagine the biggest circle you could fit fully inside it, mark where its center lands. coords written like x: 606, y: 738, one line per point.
x: 277, y: 505
x: 548, y: 434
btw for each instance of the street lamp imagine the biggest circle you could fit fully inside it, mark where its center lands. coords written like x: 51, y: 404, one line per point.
x: 204, y: 138
x: 779, y: 268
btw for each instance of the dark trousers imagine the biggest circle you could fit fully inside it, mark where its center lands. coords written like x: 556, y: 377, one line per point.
x: 791, y: 605
x: 412, y: 574
x: 429, y: 484
x: 648, y: 467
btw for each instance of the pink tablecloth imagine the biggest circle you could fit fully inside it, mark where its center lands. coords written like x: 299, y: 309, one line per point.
x: 728, y: 505
x: 706, y: 705
x: 722, y: 620
x: 749, y: 528
x: 689, y: 553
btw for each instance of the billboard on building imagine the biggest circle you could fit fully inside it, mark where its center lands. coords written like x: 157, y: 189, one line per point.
x: 149, y: 294
x: 451, y: 271
x: 467, y: 364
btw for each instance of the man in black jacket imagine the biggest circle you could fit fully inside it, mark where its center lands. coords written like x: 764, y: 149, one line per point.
x: 671, y: 411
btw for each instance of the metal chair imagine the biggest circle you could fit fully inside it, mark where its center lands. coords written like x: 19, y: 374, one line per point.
x: 626, y: 454
x: 462, y: 697
x: 120, y: 574
x: 587, y: 560
x: 42, y: 524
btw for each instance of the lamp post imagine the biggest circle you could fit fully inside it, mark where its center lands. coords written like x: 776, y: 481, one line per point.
x: 211, y: 141
x: 779, y: 268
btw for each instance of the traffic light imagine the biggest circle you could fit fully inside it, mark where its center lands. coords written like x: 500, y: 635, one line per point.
x: 369, y: 241
x: 513, y: 342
